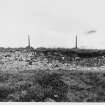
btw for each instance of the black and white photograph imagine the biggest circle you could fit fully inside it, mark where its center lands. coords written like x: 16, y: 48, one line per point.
x: 52, y: 51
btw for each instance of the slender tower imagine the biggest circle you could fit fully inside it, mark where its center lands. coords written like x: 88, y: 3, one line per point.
x: 28, y: 41
x: 76, y: 46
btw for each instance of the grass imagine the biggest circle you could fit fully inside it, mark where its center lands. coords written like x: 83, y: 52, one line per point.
x: 59, y: 85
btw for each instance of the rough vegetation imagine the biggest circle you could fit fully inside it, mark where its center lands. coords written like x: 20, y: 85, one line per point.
x: 54, y: 75
x: 58, y: 86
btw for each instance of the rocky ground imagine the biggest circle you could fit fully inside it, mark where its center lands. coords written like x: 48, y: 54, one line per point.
x: 20, y: 61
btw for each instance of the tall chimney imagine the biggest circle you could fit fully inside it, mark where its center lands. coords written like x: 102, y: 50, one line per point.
x: 76, y: 42
x: 28, y: 41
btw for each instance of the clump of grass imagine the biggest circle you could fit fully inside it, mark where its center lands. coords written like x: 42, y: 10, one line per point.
x: 52, y: 85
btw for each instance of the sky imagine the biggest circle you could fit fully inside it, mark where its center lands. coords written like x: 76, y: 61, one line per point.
x: 52, y: 23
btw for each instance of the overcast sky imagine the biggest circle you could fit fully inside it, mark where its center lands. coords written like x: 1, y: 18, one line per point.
x: 52, y: 23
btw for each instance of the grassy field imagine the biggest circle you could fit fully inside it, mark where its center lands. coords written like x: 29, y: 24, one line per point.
x: 61, y: 75
x: 47, y: 85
